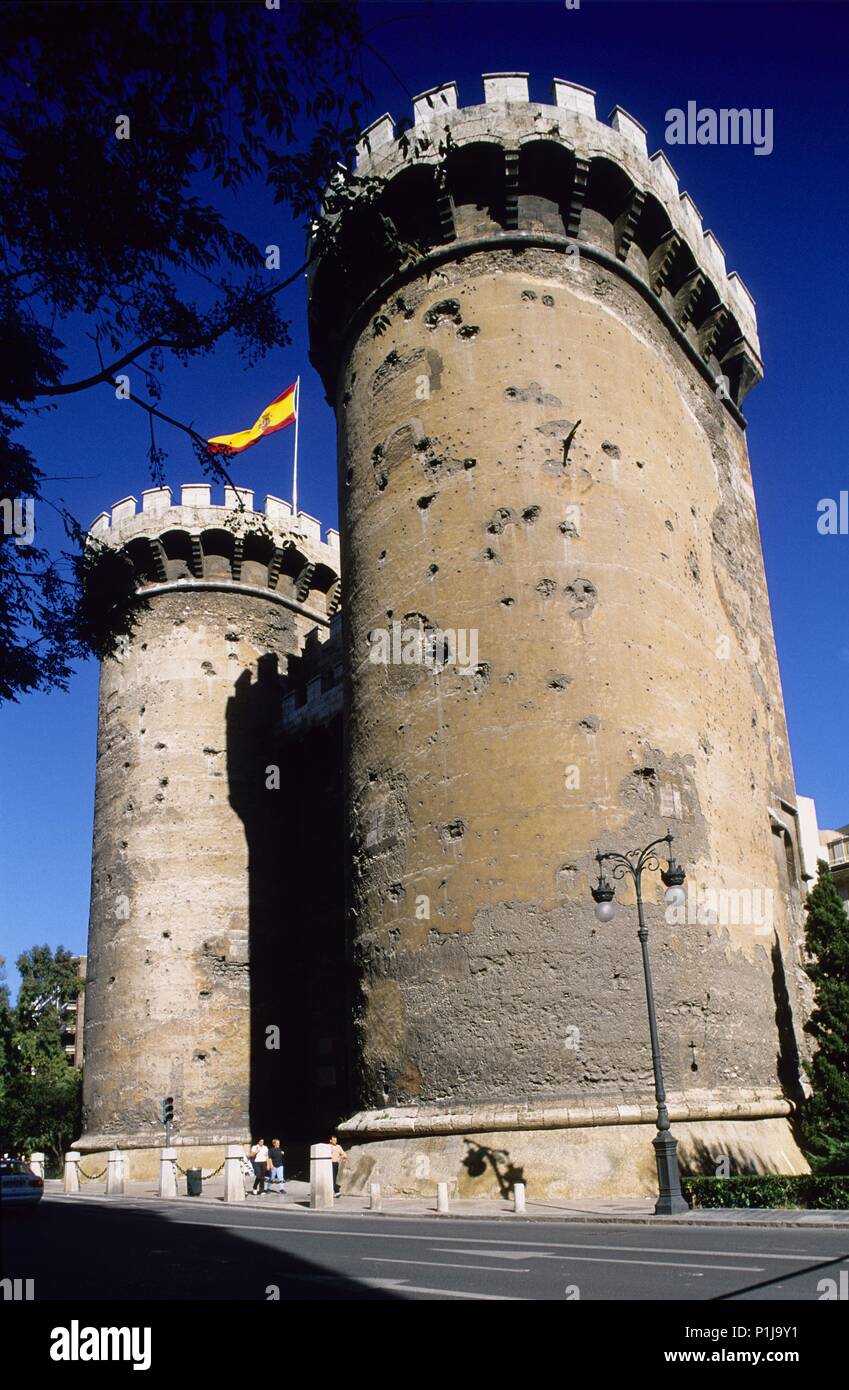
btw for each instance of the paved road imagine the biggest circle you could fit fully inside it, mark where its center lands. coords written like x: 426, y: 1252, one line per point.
x: 102, y: 1248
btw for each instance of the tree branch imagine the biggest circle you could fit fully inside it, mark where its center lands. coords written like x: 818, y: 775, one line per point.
x: 205, y: 340
x: 178, y: 424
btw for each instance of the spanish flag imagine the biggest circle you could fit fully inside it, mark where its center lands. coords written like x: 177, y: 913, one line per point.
x: 282, y: 411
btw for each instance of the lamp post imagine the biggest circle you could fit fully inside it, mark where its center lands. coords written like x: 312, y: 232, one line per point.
x: 670, y: 1200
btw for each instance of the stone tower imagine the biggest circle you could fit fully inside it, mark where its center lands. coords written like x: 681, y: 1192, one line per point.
x: 541, y: 447
x: 197, y: 920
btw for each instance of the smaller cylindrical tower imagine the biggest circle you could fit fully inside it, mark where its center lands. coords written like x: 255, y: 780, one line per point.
x: 186, y: 826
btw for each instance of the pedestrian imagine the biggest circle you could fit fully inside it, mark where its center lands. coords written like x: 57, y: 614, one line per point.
x: 337, y: 1156
x: 278, y: 1175
x: 259, y: 1158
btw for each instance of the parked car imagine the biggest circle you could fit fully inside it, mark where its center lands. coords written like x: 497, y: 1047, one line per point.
x: 19, y: 1185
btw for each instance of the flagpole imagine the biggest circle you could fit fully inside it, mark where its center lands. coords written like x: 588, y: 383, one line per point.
x: 295, y: 468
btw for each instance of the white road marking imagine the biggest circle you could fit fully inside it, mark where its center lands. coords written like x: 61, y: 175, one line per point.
x: 484, y: 1240
x: 596, y: 1259
x: 441, y: 1264
x: 400, y: 1286
x: 455, y: 1293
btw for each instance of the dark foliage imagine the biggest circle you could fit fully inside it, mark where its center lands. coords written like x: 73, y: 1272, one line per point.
x: 768, y: 1190
x: 825, y: 1116
x: 120, y: 241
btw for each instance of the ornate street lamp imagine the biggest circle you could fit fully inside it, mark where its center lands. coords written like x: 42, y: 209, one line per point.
x: 670, y: 1200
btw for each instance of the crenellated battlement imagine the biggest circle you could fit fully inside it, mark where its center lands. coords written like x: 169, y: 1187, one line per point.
x: 524, y: 172
x: 315, y: 681
x: 198, y: 543
x: 197, y: 497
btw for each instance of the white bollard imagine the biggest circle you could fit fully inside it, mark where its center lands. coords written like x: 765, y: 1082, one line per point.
x: 374, y: 1201
x: 36, y: 1163
x: 442, y: 1198
x: 519, y: 1197
x: 115, y: 1173
x: 72, y: 1171
x: 168, y: 1172
x: 234, y: 1178
x: 321, y: 1177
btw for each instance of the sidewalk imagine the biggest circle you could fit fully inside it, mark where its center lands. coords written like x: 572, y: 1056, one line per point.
x: 625, y: 1210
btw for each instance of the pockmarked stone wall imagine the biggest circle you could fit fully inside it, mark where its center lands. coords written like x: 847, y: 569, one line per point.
x: 544, y: 477
x: 189, y: 817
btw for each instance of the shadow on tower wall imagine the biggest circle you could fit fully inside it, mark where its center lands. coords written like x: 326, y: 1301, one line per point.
x: 479, y: 1158
x: 788, y: 1060
x: 294, y: 833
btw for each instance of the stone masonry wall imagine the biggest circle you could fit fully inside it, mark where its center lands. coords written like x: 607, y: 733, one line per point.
x: 180, y: 735
x: 574, y: 492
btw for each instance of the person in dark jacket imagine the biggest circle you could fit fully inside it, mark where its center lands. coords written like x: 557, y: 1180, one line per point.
x: 275, y: 1153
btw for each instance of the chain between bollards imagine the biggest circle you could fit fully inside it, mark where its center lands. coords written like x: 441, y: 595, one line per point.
x: 93, y: 1177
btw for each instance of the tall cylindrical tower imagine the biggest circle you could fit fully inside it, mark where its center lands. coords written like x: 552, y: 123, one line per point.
x: 542, y: 452
x: 188, y: 914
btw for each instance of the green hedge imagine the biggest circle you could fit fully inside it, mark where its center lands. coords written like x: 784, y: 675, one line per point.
x: 768, y: 1190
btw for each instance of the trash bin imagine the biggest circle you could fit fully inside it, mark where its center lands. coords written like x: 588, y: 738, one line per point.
x: 194, y: 1182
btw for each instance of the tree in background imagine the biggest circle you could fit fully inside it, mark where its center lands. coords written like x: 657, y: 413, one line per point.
x: 43, y: 1113
x: 125, y: 130
x: 49, y: 981
x: 7, y: 1029
x: 40, y: 1093
x: 825, y: 1116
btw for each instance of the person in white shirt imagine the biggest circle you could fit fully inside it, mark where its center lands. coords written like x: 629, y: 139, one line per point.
x: 259, y: 1158
x: 337, y: 1156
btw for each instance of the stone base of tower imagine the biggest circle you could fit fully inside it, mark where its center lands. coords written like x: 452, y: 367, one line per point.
x: 141, y: 1152
x: 601, y: 1157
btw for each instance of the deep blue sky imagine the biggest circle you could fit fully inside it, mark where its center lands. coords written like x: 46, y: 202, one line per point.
x: 782, y: 223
